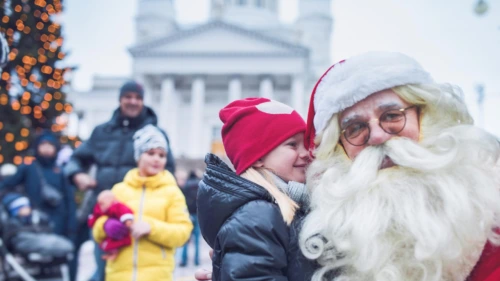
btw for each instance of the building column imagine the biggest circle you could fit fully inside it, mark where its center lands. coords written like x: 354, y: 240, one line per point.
x: 197, y: 102
x: 297, y: 101
x: 148, y: 91
x: 168, y: 113
x: 235, y: 90
x: 266, y: 88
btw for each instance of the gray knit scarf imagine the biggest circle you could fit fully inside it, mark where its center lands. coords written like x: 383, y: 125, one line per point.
x: 295, y: 190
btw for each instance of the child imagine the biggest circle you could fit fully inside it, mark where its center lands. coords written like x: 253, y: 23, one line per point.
x: 29, y: 231
x: 161, y: 221
x: 109, y: 206
x: 251, y: 217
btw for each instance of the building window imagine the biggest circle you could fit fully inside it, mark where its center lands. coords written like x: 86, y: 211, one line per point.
x: 260, y: 3
x: 241, y: 2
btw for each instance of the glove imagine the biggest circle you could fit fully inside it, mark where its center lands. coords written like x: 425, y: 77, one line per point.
x: 115, y: 230
x: 140, y: 229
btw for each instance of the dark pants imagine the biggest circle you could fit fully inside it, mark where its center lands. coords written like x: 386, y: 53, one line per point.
x: 100, y: 271
x: 82, y: 236
x: 196, y: 235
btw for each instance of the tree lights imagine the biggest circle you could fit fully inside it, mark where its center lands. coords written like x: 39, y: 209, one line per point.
x: 31, y: 94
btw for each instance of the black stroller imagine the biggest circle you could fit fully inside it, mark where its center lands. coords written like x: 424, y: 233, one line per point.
x: 34, y: 253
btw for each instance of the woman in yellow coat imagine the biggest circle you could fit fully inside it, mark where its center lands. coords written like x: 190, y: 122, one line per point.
x: 161, y: 221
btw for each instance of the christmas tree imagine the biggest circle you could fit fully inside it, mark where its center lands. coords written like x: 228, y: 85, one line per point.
x: 31, y: 84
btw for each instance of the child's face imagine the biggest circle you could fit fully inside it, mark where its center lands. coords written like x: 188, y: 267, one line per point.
x: 288, y: 160
x: 152, y: 162
x: 24, y: 211
x: 46, y: 149
x: 105, y: 204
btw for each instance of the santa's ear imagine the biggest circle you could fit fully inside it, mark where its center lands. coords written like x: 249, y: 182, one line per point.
x: 258, y: 164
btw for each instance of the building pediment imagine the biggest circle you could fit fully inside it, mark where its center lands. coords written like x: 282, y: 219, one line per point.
x: 218, y: 39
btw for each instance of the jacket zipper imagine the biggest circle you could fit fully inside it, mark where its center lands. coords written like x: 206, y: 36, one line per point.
x: 136, y: 241
x: 164, y: 255
x: 123, y: 143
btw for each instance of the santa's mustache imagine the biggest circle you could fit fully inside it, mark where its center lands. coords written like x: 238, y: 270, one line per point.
x: 403, y: 152
x: 430, y: 154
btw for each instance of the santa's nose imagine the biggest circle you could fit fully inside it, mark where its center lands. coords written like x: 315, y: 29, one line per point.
x: 378, y: 135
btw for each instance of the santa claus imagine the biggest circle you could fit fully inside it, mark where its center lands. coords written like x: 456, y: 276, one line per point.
x: 404, y: 186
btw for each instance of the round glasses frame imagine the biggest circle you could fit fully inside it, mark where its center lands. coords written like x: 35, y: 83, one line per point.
x: 380, y: 123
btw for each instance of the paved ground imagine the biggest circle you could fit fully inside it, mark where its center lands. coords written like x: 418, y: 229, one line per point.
x: 87, y: 264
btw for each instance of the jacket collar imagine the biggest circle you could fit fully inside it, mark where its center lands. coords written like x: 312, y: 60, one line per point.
x: 132, y: 178
x: 147, y: 116
x: 221, y: 192
x: 218, y: 170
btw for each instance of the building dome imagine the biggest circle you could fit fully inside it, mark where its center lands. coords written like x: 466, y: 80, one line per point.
x: 155, y: 19
x: 248, y: 13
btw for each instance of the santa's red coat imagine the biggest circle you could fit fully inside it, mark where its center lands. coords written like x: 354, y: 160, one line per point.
x: 488, y: 267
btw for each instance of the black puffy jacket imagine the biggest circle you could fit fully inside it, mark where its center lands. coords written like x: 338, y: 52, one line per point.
x: 244, y: 226
x: 111, y: 148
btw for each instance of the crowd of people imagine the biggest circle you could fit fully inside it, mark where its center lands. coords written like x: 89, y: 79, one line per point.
x: 132, y: 206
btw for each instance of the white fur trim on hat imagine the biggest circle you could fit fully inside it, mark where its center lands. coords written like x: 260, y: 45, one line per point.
x: 358, y: 77
x: 126, y: 217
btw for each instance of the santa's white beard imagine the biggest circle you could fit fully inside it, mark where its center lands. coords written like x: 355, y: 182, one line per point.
x: 427, y: 218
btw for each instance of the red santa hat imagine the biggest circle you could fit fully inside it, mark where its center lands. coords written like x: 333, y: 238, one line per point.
x: 350, y: 81
x: 255, y: 126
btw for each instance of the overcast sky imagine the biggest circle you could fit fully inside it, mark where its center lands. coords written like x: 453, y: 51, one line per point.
x: 445, y: 36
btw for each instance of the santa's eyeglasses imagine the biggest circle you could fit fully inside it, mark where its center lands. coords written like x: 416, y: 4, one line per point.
x: 392, y: 121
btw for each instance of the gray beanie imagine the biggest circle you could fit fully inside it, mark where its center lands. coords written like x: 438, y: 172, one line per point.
x: 149, y: 137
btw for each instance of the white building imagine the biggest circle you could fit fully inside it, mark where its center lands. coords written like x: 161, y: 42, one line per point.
x: 189, y: 74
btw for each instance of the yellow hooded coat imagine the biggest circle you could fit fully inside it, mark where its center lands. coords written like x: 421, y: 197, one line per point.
x: 158, y: 201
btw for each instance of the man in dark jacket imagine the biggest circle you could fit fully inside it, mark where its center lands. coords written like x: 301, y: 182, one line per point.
x: 110, y: 148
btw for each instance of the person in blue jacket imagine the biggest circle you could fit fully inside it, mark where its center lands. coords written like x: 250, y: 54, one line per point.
x: 31, y: 177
